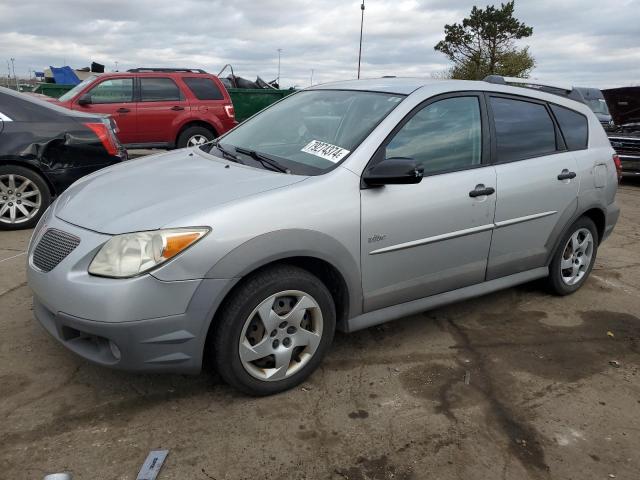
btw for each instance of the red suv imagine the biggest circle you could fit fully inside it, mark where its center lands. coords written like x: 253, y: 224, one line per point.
x: 157, y: 107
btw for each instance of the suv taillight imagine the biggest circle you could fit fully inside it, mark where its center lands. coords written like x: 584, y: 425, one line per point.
x: 616, y: 160
x: 230, y: 111
x: 106, y: 135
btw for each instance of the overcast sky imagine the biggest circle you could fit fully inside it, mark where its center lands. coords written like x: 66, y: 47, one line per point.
x: 585, y: 42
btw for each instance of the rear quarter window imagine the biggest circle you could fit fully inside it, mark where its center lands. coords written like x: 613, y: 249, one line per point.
x: 204, y: 88
x: 573, y: 126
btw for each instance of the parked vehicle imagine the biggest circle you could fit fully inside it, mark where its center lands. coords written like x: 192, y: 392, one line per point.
x: 627, y: 146
x: 44, y: 149
x: 591, y: 97
x: 343, y: 206
x: 157, y: 107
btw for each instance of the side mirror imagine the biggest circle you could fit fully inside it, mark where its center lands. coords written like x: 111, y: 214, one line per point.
x: 394, y: 171
x: 85, y: 99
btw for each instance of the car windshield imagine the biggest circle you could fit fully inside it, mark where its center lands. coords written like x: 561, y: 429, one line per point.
x: 74, y: 91
x: 597, y: 105
x: 310, y: 131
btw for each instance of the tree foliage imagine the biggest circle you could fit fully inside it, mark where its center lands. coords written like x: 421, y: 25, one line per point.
x: 484, y: 44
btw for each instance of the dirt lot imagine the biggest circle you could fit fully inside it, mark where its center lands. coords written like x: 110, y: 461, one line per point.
x: 515, y: 385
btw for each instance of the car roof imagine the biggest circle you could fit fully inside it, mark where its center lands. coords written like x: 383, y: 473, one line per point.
x: 32, y: 98
x: 406, y: 86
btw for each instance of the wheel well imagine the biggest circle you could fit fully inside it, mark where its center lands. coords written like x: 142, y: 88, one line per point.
x: 197, y: 123
x: 327, y: 273
x: 28, y: 166
x: 598, y: 218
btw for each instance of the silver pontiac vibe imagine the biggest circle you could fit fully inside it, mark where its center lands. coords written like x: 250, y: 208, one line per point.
x: 342, y: 206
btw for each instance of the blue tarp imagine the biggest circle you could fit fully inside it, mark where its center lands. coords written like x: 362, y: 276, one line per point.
x: 64, y: 75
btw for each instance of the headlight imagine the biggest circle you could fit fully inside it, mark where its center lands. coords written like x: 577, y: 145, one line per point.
x: 131, y: 254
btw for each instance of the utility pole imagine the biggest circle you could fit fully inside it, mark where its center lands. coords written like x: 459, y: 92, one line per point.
x: 13, y: 67
x: 279, y: 54
x: 361, y: 25
x: 312, y: 77
x: 8, y: 74
x: 116, y: 65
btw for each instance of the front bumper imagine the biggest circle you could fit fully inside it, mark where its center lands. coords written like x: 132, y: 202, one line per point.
x: 154, y: 325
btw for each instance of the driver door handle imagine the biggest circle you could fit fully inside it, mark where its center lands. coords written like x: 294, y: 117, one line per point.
x: 123, y: 110
x: 177, y: 108
x: 566, y: 175
x: 481, y: 190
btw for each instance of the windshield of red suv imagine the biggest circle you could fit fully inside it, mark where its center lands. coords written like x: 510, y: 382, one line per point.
x: 311, y: 131
x: 79, y: 87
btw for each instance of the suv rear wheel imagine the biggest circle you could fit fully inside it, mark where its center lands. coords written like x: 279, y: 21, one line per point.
x: 195, y: 136
x: 274, y: 331
x: 24, y: 196
x: 574, y: 259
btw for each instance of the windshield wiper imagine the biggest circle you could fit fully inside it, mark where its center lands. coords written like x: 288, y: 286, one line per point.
x: 226, y: 153
x: 265, y: 160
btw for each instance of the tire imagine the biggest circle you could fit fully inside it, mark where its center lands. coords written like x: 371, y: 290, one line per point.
x: 28, y: 200
x: 192, y: 133
x: 290, y: 290
x: 564, y: 281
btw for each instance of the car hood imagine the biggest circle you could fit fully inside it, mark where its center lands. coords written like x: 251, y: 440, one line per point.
x: 159, y: 190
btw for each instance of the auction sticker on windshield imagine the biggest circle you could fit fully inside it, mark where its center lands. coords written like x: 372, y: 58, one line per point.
x: 325, y: 150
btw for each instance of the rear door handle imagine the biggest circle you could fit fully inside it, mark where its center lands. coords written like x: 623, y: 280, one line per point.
x: 566, y: 175
x: 481, y: 191
x: 123, y: 110
x: 177, y: 108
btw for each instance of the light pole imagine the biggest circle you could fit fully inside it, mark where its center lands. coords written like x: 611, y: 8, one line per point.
x: 13, y: 67
x: 312, y: 77
x: 279, y: 54
x: 361, y: 25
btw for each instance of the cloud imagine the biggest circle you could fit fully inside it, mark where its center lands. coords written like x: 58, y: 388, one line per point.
x: 584, y: 42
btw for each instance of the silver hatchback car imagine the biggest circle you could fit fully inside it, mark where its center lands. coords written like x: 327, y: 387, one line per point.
x: 343, y: 206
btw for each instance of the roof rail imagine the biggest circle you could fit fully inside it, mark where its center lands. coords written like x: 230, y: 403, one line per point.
x: 562, y: 89
x: 166, y: 70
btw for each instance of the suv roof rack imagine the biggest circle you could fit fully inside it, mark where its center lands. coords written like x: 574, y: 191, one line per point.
x: 166, y: 70
x: 562, y: 89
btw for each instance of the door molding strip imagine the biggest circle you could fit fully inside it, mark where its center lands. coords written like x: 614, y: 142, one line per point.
x: 461, y: 233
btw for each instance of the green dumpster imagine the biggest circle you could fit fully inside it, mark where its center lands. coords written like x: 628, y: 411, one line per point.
x: 248, y: 101
x: 54, y: 90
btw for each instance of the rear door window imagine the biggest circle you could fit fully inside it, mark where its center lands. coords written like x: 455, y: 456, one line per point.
x: 204, y: 88
x: 159, y: 89
x: 523, y: 129
x: 115, y: 90
x: 574, y: 127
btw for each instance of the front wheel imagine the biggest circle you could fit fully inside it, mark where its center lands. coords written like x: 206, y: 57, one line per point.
x: 274, y: 331
x: 574, y: 259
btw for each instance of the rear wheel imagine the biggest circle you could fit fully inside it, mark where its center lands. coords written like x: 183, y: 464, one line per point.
x: 195, y: 136
x: 574, y: 259
x: 24, y: 196
x: 274, y: 331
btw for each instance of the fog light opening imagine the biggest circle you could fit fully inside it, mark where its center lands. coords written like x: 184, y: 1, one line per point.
x: 115, y: 351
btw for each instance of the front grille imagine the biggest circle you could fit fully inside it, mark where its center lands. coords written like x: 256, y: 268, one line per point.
x: 626, y: 145
x: 53, y: 247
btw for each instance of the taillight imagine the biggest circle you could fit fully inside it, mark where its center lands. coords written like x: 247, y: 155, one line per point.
x: 231, y: 113
x: 616, y: 160
x: 106, y: 136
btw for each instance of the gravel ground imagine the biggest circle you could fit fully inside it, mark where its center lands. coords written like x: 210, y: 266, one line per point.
x: 514, y: 385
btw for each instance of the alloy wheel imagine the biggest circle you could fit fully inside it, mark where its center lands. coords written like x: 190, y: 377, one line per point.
x: 197, y: 140
x: 281, y: 335
x: 577, y: 256
x: 20, y: 199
